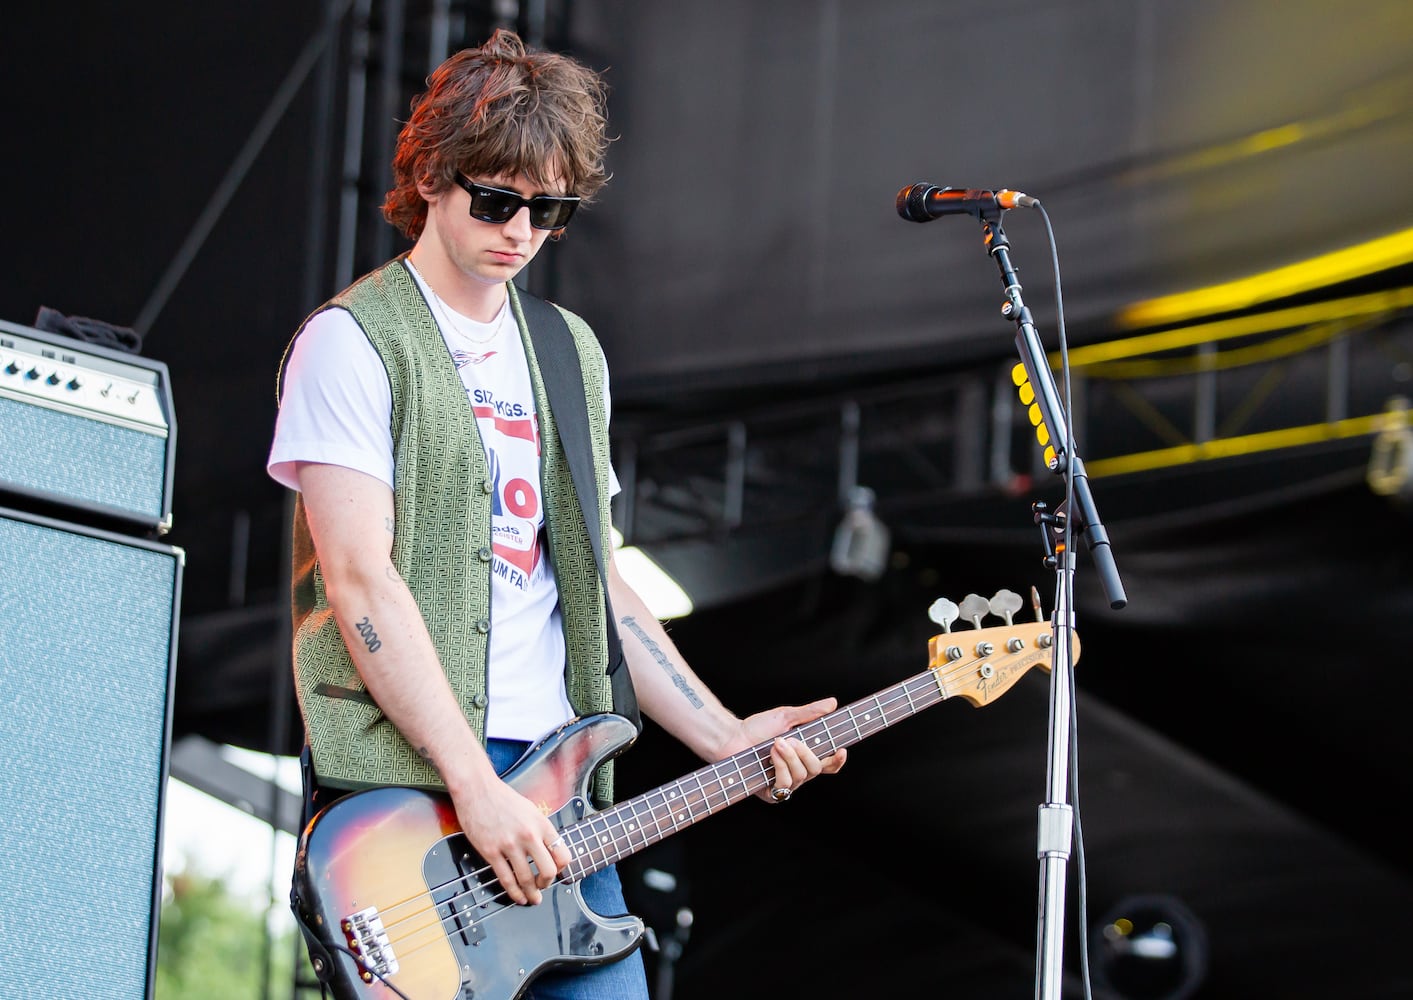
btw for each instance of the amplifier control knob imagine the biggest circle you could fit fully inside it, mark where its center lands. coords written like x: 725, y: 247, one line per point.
x: 33, y: 373
x: 12, y: 368
x: 53, y: 378
x: 73, y: 383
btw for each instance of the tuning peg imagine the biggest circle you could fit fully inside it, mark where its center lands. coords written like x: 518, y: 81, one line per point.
x: 1005, y: 603
x: 973, y: 607
x: 943, y: 612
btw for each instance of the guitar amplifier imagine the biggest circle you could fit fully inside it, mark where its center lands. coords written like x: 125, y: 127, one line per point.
x: 87, y: 665
x: 87, y: 429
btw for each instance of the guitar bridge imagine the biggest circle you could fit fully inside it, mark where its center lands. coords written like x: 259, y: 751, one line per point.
x: 369, y: 943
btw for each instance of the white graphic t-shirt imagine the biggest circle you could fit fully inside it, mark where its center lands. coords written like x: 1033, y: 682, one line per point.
x: 337, y: 408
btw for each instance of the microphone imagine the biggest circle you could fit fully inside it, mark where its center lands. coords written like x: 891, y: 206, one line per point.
x: 923, y: 202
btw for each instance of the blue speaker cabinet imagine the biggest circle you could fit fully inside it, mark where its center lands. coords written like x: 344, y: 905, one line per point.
x: 88, y: 431
x: 87, y: 659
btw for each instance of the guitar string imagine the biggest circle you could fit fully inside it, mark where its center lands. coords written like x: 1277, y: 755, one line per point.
x: 925, y: 681
x: 440, y: 924
x: 580, y: 827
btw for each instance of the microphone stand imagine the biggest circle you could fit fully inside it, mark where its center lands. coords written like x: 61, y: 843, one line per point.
x: 1056, y: 820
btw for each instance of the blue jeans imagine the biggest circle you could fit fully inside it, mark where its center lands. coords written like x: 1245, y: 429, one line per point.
x: 621, y: 980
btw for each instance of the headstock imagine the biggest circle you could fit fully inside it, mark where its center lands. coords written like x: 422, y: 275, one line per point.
x: 982, y: 663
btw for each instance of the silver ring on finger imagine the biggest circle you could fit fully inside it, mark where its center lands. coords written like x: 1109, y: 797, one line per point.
x: 781, y: 794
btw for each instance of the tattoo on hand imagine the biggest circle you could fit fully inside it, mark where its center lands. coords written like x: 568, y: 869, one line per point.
x: 678, y: 680
x: 370, y: 637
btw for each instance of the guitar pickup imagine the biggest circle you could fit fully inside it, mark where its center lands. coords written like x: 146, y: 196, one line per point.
x: 459, y: 893
x: 368, y: 940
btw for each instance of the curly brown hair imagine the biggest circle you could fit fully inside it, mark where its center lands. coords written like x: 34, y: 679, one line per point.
x: 497, y: 110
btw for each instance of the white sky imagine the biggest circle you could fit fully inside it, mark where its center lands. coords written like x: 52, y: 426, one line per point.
x: 207, y: 836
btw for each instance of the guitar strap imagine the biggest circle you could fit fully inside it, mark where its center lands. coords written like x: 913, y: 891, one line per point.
x: 319, y: 958
x: 558, y: 358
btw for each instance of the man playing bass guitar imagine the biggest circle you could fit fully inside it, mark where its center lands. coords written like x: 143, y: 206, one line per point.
x: 449, y: 604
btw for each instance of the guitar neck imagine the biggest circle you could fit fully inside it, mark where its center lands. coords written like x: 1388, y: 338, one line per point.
x: 636, y: 823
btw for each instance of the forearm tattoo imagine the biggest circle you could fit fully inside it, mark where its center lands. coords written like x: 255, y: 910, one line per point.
x: 370, y: 637
x: 678, y: 680
x: 388, y: 523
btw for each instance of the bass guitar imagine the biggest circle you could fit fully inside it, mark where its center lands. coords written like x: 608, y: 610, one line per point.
x: 397, y: 904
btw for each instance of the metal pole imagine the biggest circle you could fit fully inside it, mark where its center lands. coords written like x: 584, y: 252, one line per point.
x: 439, y: 34
x: 359, y: 42
x: 384, y: 128
x: 316, y: 235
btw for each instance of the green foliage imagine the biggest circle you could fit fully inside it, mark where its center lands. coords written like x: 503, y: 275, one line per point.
x: 212, y: 945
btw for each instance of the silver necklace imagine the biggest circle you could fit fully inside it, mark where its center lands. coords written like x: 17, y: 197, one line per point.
x: 446, y: 313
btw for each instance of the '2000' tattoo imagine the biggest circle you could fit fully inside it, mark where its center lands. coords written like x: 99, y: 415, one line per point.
x: 370, y: 637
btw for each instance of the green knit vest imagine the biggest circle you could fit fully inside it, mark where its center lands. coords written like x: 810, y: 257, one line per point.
x: 442, y: 543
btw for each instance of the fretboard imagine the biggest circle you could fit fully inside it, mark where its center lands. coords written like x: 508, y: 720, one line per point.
x: 626, y: 828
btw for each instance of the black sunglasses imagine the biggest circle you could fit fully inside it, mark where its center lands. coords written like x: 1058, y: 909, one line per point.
x: 497, y: 205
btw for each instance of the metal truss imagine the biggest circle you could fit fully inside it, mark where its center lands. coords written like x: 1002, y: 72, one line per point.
x: 1329, y: 372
